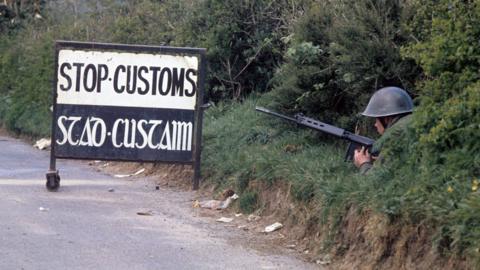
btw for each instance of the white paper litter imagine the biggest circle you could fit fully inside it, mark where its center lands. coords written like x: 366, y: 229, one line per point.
x: 128, y: 175
x: 43, y: 143
x: 275, y: 226
x: 218, y: 205
x: 225, y: 220
x: 139, y: 171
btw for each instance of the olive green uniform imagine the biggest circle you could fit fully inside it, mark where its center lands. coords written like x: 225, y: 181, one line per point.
x: 396, y: 129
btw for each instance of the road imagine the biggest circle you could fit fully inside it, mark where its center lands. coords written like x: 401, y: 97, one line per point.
x: 84, y: 226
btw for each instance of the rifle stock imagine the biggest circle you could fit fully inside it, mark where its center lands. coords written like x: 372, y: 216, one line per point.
x: 355, y: 140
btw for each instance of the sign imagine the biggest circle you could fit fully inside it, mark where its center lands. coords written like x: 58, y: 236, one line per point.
x: 128, y: 103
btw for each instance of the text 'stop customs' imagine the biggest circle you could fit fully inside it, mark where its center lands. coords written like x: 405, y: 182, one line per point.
x: 126, y: 104
x: 127, y: 79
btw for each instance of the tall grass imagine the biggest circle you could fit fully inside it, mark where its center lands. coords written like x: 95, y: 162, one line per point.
x: 242, y: 145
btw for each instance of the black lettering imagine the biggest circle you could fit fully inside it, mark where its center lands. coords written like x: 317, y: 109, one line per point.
x: 78, y: 73
x: 140, y: 76
x: 189, y: 73
x: 90, y: 69
x: 178, y: 82
x: 131, y: 77
x: 154, y: 79
x: 168, y: 82
x: 102, y: 76
x: 115, y: 79
x: 64, y: 75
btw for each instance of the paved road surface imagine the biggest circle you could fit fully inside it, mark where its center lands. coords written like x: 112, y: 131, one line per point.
x: 87, y: 227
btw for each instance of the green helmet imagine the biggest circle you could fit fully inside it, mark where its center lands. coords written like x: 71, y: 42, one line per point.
x: 389, y: 101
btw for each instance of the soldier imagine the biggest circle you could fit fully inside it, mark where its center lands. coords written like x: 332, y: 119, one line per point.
x: 391, y: 107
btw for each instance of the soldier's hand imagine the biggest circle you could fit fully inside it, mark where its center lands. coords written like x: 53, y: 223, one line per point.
x: 361, y: 156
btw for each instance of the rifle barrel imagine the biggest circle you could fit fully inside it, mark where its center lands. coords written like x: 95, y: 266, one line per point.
x: 267, y: 111
x: 323, y: 127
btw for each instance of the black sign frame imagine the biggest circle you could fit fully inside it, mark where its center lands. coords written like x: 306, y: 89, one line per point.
x: 53, y: 178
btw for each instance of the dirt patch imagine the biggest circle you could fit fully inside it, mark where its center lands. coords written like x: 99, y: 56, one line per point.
x: 365, y: 240
x: 3, y: 132
x: 276, y: 206
x: 165, y: 175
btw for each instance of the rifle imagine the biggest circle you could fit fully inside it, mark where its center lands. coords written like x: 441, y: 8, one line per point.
x: 356, y: 141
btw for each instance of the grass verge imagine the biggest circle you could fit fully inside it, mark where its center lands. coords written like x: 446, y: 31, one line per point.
x: 250, y: 152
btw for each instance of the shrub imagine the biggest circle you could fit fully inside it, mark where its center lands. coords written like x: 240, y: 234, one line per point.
x: 28, y: 70
x: 248, y: 201
x: 446, y: 154
x: 342, y: 52
x: 244, y: 41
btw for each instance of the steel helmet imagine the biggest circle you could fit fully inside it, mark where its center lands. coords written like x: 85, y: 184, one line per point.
x: 389, y: 101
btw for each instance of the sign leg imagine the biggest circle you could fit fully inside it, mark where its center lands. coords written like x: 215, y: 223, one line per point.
x: 53, y: 180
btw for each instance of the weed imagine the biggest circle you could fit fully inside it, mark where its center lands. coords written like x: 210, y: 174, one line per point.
x: 248, y: 201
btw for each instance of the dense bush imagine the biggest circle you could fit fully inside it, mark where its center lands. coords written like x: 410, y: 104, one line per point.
x: 433, y: 172
x: 244, y: 41
x: 447, y: 152
x: 26, y: 71
x: 342, y: 51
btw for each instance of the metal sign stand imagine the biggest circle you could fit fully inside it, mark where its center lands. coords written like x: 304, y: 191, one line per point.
x: 199, y: 124
x: 53, y: 178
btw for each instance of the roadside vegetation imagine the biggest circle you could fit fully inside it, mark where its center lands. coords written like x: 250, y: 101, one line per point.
x: 321, y: 58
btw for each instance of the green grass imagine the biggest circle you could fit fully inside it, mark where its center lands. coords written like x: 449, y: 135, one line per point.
x: 242, y: 145
x: 248, y: 202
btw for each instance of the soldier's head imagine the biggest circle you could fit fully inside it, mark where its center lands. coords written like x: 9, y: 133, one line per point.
x: 388, y: 104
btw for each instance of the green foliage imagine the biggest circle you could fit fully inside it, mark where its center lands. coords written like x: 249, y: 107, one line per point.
x: 446, y: 153
x: 430, y: 175
x: 147, y: 22
x: 305, y: 79
x: 244, y: 41
x: 304, y: 53
x: 342, y: 52
x: 241, y: 146
x: 248, y: 202
x: 27, y: 69
x: 465, y: 230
